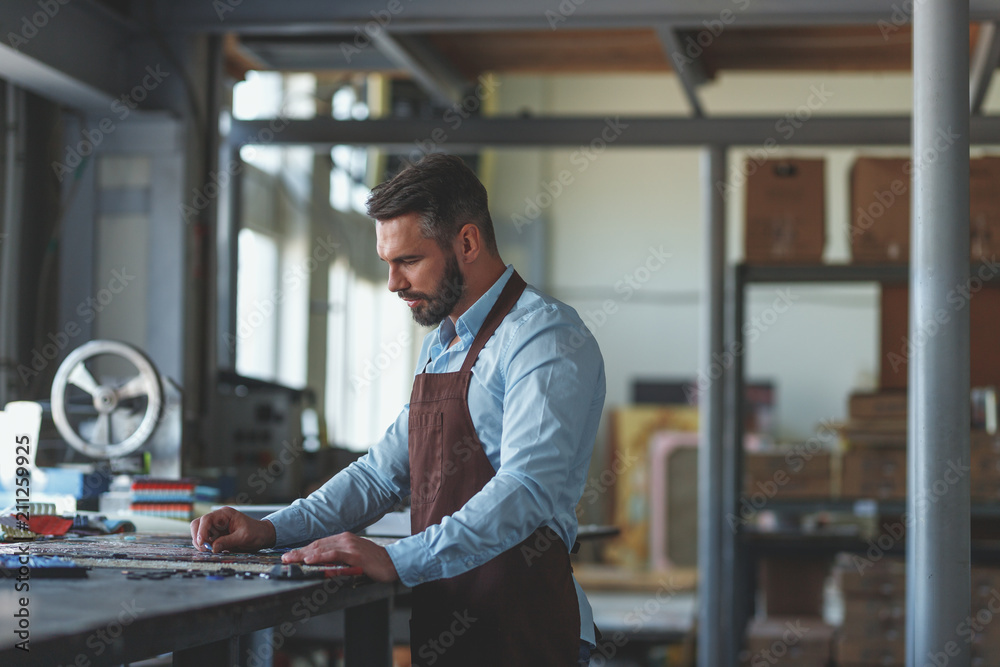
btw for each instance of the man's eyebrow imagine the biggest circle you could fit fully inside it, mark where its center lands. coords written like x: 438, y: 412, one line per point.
x: 400, y: 258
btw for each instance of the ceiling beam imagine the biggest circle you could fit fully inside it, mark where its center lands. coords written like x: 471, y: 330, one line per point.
x: 591, y: 136
x: 328, y: 54
x: 64, y: 52
x: 984, y: 63
x: 363, y: 16
x: 690, y: 71
x: 431, y: 72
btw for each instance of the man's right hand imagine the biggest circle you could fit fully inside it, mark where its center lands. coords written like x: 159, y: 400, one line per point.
x: 229, y: 530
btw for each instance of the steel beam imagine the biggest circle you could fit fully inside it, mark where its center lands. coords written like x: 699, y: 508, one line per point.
x: 763, y: 135
x: 63, y: 51
x: 713, y: 631
x: 321, y: 16
x: 329, y: 53
x: 984, y: 64
x: 431, y: 72
x: 690, y: 72
x: 938, y: 529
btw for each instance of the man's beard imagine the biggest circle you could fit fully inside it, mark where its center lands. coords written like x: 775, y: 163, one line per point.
x: 439, y: 305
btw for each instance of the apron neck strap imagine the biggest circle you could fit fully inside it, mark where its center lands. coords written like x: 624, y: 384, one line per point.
x: 508, y: 297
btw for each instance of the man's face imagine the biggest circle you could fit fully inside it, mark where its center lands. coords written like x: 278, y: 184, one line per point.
x: 423, y: 274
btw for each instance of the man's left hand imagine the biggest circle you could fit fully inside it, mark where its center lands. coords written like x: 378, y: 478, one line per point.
x: 347, y: 548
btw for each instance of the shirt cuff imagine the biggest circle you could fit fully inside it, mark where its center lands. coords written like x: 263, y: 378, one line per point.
x: 414, y: 562
x: 289, y: 526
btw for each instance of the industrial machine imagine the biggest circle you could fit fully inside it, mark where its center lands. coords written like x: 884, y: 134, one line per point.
x: 109, y: 403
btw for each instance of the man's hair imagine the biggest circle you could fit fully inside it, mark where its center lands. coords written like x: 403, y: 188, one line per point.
x: 443, y: 192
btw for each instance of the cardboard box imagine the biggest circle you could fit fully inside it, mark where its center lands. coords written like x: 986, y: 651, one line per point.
x: 984, y: 314
x: 985, y: 585
x: 879, y: 614
x: 883, y: 580
x: 872, y: 653
x: 786, y: 212
x: 788, y: 475
x: 887, y: 404
x: 985, y: 459
x: 795, y: 640
x: 984, y: 208
x: 874, y: 473
x: 880, y: 210
x: 792, y: 585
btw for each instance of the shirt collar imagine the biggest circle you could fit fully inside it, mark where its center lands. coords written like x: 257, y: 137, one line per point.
x: 471, y: 321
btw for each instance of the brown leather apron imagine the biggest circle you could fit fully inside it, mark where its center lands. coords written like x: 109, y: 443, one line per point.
x: 519, y: 608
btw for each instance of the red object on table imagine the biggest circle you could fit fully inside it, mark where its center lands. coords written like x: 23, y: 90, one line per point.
x: 49, y: 524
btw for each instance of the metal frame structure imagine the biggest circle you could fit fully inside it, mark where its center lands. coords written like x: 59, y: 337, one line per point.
x: 316, y: 17
x: 938, y: 538
x: 51, y: 63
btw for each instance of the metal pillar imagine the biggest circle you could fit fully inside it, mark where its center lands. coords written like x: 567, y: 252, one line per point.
x: 712, y: 632
x: 10, y: 241
x: 938, y: 548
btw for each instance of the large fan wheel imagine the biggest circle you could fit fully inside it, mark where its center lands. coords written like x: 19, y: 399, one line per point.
x: 110, y: 402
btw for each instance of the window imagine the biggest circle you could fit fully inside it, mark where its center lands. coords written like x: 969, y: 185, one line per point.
x: 370, y: 359
x: 256, y: 323
x: 349, y: 175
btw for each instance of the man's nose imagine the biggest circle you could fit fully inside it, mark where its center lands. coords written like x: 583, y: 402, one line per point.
x: 397, y: 282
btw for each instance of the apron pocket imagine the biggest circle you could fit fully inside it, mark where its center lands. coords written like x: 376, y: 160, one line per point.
x: 426, y: 433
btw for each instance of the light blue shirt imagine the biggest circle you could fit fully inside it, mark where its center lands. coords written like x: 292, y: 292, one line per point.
x: 536, y: 398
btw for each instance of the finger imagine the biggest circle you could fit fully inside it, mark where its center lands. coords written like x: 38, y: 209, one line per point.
x: 194, y: 533
x: 294, y: 556
x: 227, y: 542
x: 213, y: 526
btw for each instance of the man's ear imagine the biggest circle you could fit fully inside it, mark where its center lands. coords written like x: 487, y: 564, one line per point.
x: 468, y: 243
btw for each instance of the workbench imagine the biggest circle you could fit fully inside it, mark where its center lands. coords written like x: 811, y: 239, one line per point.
x: 109, y: 619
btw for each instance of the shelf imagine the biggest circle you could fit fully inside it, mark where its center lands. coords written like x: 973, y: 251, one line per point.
x: 818, y: 543
x: 862, y: 507
x: 841, y: 273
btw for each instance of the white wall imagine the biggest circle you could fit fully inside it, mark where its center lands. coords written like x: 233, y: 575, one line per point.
x: 622, y: 203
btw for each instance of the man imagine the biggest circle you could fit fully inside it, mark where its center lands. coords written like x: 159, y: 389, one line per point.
x: 492, y: 449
